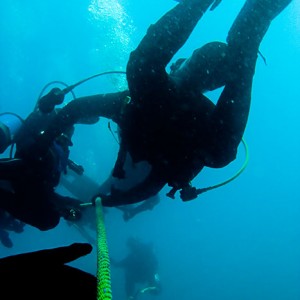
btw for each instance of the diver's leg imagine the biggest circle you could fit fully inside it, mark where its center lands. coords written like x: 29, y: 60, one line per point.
x: 204, y: 70
x: 232, y: 110
x: 147, y: 63
x: 108, y: 105
x: 252, y: 23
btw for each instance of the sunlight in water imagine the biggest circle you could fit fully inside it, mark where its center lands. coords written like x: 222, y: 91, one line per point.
x: 115, y: 31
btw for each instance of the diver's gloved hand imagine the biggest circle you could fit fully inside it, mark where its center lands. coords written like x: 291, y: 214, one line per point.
x: 54, y: 97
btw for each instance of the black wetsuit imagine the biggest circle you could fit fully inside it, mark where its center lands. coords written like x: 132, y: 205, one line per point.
x: 169, y: 122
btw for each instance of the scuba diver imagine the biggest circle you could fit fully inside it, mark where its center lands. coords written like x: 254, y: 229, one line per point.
x: 30, y: 193
x: 140, y: 267
x: 164, y: 118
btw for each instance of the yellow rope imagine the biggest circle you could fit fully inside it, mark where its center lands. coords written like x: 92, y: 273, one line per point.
x: 103, y: 262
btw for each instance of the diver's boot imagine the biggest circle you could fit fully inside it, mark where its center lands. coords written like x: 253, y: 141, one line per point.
x: 253, y: 22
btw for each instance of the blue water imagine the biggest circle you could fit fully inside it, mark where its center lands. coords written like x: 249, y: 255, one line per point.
x: 241, y: 241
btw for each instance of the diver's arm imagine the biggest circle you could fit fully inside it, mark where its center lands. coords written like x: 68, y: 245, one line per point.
x: 103, y: 105
x: 233, y: 107
x: 142, y: 191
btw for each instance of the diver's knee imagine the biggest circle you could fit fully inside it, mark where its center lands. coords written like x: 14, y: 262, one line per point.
x: 221, y: 157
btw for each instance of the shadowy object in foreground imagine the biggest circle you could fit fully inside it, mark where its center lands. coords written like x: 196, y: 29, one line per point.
x: 43, y: 274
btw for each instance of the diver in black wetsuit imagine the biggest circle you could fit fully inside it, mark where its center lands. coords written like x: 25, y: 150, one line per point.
x: 167, y: 121
x: 140, y: 268
x: 30, y: 193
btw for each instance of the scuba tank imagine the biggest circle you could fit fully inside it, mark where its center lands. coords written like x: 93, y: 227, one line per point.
x: 10, y: 124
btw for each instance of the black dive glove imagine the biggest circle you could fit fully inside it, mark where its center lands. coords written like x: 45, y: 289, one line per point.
x: 54, y: 97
